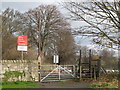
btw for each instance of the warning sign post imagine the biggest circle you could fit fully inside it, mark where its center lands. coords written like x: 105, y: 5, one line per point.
x: 22, y: 44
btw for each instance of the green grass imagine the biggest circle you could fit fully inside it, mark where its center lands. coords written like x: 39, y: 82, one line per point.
x: 0, y: 84
x: 20, y: 84
x: 62, y: 81
x: 99, y: 85
x: 0, y: 87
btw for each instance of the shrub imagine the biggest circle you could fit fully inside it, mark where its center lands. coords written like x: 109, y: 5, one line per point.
x: 11, y: 75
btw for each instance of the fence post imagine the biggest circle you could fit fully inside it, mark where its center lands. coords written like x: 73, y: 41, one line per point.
x: 80, y: 72
x: 99, y: 65
x: 90, y: 61
x: 94, y: 73
x: 80, y: 68
x: 76, y: 72
x: 39, y: 74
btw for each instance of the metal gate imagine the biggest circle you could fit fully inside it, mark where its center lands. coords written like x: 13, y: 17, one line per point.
x: 57, y: 72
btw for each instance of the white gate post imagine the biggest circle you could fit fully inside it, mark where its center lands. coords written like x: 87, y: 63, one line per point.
x: 80, y: 72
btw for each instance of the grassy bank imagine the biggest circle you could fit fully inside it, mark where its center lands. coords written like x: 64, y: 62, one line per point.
x: 106, y: 81
x: 20, y: 84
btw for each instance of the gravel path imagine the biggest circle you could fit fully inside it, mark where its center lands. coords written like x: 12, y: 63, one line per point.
x: 66, y: 84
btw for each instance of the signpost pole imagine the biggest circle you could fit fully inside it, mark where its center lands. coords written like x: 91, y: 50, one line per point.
x: 22, y: 55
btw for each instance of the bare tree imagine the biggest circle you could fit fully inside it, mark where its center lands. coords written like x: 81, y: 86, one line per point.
x: 65, y: 47
x: 10, y: 25
x: 41, y: 24
x: 85, y: 53
x: 109, y: 59
x: 62, y: 44
x: 10, y: 22
x: 102, y: 20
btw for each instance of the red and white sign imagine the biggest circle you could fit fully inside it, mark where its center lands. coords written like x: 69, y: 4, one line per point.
x: 22, y: 43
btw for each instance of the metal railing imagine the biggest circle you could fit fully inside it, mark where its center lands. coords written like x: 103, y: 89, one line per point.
x: 57, y: 72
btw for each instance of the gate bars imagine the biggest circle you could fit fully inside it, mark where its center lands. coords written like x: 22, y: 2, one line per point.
x: 57, y: 71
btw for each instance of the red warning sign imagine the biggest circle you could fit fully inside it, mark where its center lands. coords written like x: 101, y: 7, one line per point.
x: 22, y: 43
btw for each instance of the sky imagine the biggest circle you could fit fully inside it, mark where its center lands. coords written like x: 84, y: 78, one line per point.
x: 50, y: 0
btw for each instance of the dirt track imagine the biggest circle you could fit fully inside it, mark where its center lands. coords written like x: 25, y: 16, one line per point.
x: 67, y: 84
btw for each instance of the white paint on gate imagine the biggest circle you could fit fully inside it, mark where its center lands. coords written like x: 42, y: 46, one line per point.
x: 60, y: 69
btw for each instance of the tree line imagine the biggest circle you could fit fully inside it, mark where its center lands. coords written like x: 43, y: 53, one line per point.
x: 47, y: 30
x: 50, y: 33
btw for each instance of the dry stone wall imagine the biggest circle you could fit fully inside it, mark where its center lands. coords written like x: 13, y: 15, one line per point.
x: 30, y: 67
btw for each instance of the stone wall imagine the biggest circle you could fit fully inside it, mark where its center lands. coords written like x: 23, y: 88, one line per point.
x: 30, y: 67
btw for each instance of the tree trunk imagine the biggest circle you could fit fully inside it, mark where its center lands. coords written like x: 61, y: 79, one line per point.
x: 41, y: 58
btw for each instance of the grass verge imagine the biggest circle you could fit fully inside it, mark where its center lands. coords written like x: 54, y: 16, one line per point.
x: 20, y: 84
x: 106, y: 81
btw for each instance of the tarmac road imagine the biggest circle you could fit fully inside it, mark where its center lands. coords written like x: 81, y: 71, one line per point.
x: 65, y: 84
